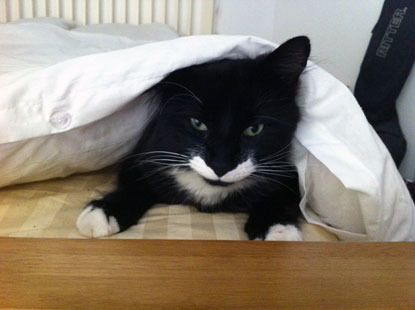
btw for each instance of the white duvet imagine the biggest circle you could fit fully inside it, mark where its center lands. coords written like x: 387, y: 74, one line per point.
x: 64, y: 108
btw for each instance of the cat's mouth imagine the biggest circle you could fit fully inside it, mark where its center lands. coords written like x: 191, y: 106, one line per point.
x: 239, y: 173
x: 217, y: 182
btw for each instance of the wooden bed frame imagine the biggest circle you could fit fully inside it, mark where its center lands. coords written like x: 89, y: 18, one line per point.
x: 173, y: 274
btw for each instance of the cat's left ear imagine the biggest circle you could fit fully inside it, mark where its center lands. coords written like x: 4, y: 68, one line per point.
x: 288, y: 61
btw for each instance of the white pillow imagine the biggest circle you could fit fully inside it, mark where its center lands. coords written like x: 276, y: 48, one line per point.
x: 28, y: 46
x: 62, y: 23
x: 145, y: 32
x: 74, y: 116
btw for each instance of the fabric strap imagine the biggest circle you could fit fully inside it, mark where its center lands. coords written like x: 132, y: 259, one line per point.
x: 384, y: 70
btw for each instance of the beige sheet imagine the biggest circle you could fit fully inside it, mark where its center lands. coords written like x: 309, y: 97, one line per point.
x: 49, y: 209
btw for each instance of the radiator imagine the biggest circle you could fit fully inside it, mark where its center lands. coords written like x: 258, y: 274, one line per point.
x: 188, y: 17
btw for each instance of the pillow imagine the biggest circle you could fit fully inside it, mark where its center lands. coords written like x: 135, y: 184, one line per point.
x: 61, y: 23
x: 28, y: 46
x: 75, y: 115
x: 145, y: 32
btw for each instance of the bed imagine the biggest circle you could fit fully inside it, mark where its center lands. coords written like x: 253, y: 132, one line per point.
x: 49, y: 208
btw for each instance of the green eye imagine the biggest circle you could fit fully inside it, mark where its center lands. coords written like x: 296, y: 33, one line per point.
x: 254, y: 130
x: 198, y: 125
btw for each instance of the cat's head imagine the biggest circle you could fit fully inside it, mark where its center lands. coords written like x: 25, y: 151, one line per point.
x: 230, y: 120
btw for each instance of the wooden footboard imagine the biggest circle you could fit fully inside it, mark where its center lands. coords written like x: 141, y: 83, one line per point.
x: 155, y: 274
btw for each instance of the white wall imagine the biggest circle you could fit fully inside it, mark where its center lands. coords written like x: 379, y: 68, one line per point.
x: 251, y: 17
x: 339, y: 31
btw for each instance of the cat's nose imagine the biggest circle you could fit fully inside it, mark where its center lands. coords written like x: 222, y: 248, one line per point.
x: 220, y: 168
x: 222, y: 157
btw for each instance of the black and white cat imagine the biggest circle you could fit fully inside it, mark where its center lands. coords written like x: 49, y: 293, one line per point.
x: 220, y: 142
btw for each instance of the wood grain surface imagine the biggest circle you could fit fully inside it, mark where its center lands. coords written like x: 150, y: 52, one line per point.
x: 162, y: 274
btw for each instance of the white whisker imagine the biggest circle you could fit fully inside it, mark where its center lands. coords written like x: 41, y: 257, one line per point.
x: 268, y: 179
x: 160, y: 152
x: 277, y: 175
x: 184, y: 87
x: 281, y: 152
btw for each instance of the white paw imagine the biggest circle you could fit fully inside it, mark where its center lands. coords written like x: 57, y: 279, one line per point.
x: 284, y: 233
x: 93, y: 223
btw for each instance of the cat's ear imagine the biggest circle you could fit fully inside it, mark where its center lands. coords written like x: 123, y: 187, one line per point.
x: 288, y: 61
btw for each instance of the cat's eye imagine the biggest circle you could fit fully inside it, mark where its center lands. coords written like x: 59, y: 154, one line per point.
x: 198, y: 125
x: 254, y: 130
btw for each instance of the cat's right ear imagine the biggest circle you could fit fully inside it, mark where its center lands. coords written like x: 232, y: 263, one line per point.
x: 288, y: 61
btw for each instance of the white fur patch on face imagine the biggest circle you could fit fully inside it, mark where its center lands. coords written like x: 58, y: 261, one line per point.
x: 241, y: 171
x: 199, y: 165
x: 280, y: 232
x: 202, y: 192
x: 93, y: 223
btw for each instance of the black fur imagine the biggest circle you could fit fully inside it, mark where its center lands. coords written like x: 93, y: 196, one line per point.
x: 228, y: 96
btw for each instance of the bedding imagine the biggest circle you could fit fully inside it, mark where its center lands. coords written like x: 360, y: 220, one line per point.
x: 64, y: 108
x: 145, y: 32
x: 49, y: 209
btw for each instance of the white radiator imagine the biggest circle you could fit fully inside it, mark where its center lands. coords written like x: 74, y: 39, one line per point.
x: 188, y: 17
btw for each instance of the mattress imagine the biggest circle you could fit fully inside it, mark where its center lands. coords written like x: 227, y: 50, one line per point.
x: 49, y: 209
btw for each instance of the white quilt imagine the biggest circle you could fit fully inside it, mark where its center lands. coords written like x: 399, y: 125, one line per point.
x: 64, y: 108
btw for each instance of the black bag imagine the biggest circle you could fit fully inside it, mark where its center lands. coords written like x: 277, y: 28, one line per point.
x: 384, y: 70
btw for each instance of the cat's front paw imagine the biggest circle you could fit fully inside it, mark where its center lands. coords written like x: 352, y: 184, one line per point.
x: 94, y: 223
x: 281, y: 232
